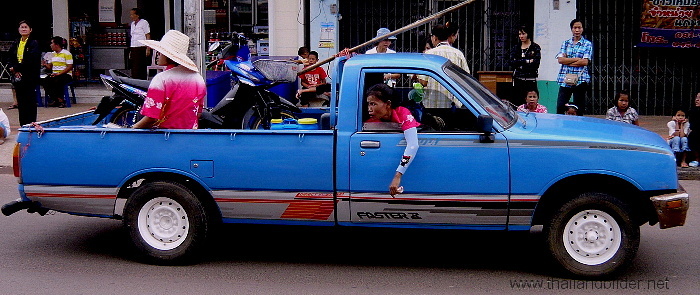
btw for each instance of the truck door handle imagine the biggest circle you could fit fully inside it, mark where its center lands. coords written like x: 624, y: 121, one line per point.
x: 370, y: 144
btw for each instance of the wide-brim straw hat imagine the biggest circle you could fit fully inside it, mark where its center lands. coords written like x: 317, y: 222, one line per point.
x: 174, y: 45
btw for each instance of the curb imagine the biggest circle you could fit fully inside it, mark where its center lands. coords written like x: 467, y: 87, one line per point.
x: 689, y: 173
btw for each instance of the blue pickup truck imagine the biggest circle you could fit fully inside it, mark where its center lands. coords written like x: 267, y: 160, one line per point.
x: 585, y: 185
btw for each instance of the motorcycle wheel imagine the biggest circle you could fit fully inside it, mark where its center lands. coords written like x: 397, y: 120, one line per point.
x: 126, y: 117
x: 252, y: 121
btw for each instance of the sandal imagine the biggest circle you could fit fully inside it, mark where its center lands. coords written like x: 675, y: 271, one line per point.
x: 14, y: 106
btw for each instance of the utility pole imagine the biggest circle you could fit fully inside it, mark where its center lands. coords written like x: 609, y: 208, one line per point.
x: 193, y: 26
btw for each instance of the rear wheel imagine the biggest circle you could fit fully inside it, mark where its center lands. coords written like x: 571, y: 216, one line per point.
x: 166, y: 222
x: 593, y: 236
x: 126, y: 117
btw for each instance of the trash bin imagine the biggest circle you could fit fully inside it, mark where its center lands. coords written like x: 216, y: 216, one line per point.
x: 218, y: 84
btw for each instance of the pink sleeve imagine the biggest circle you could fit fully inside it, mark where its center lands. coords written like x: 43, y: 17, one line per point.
x: 404, y: 117
x: 155, y: 98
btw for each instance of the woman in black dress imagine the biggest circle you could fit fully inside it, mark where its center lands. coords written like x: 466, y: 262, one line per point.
x: 525, y: 61
x: 25, y: 66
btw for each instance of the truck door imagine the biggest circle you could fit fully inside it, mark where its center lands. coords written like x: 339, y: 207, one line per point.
x: 454, y: 180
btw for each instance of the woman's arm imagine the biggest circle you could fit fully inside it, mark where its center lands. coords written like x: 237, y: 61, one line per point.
x: 411, y: 136
x: 536, y: 55
x: 145, y: 123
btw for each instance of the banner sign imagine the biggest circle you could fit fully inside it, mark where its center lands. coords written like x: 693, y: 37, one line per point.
x: 670, y: 23
x: 106, y: 12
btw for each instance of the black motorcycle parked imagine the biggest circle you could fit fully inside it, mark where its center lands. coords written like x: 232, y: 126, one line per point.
x: 128, y: 95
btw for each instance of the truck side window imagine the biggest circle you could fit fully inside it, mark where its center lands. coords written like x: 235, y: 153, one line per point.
x: 429, y: 102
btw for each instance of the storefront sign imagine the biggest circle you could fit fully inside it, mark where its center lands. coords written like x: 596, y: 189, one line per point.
x: 106, y: 11
x: 670, y: 23
x: 327, y: 39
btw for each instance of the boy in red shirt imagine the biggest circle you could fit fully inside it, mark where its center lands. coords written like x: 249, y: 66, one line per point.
x: 310, y: 80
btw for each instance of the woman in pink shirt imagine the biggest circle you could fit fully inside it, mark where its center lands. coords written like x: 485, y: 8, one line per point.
x: 175, y: 96
x: 381, y: 109
x: 532, y: 104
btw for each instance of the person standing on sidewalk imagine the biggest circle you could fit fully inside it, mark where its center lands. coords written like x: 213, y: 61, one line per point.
x: 25, y: 67
x: 139, y: 53
x: 574, y: 56
x: 441, y: 98
x: 525, y: 62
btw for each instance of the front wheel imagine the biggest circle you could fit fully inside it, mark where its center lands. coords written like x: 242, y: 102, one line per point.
x: 166, y: 222
x: 593, y: 236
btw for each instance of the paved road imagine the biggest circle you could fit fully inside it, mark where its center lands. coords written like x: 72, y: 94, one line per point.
x: 63, y: 254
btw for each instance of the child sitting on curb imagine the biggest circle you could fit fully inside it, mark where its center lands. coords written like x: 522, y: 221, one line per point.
x: 622, y: 112
x: 678, y: 129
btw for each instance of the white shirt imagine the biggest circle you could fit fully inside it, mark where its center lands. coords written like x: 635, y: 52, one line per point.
x: 374, y: 50
x: 672, y: 128
x: 138, y: 32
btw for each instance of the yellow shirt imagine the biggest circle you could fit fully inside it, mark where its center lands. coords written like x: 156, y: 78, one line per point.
x: 20, y: 50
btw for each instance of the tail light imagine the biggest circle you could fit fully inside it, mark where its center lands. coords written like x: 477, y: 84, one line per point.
x: 15, y: 159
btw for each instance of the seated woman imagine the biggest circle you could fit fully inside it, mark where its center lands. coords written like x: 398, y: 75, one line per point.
x: 381, y: 109
x: 175, y: 96
x: 532, y: 105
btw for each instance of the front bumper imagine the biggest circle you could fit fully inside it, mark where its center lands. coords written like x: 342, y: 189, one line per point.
x: 671, y: 209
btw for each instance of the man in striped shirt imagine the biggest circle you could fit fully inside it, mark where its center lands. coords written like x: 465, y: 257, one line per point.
x: 61, y: 65
x: 438, y: 96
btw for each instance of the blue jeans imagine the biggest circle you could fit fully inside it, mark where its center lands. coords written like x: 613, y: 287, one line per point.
x: 679, y: 144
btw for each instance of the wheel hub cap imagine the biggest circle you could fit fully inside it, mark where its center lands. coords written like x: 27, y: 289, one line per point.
x: 592, y: 237
x: 163, y: 223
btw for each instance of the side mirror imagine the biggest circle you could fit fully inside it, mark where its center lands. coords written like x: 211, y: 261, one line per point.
x: 484, y: 124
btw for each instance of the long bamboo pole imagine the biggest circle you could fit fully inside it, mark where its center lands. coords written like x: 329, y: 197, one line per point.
x: 392, y: 33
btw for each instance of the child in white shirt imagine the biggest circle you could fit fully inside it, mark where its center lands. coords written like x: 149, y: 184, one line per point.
x: 678, y: 129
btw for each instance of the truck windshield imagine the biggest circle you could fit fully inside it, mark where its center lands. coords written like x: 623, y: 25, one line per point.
x: 502, y: 113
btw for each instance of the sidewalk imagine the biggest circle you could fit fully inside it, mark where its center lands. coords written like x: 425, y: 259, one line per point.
x: 89, y: 96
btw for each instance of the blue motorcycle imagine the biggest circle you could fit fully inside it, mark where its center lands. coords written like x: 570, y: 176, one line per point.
x: 250, y: 104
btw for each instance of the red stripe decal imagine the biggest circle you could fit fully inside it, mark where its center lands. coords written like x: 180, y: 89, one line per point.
x: 297, y: 209
x: 73, y: 196
x: 429, y: 200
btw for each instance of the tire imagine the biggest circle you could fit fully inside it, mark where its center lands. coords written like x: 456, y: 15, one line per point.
x: 125, y: 117
x: 252, y: 121
x: 593, y: 236
x: 166, y: 222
